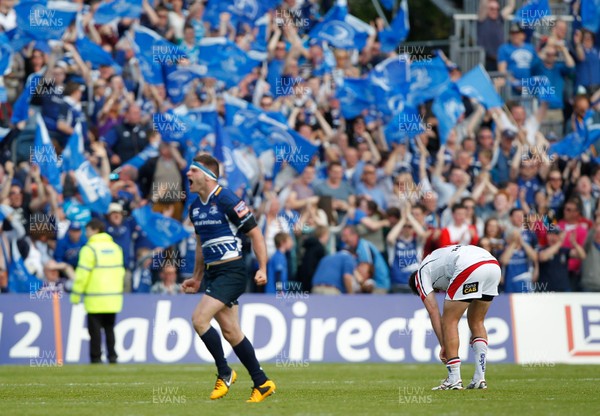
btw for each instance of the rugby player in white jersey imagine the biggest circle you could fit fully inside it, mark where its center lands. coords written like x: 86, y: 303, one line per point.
x: 470, y: 276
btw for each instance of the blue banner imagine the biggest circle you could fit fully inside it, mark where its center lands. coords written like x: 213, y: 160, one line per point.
x: 158, y: 329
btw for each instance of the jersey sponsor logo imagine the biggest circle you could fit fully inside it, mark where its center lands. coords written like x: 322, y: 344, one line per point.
x: 213, y: 210
x: 203, y: 215
x: 241, y: 209
x: 470, y: 288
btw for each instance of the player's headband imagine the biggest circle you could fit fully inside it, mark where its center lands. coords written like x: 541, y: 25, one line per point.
x: 205, y: 170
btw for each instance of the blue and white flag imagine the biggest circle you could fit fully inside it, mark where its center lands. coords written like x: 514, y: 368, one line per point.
x: 590, y: 15
x: 19, y: 278
x: 531, y: 13
x: 149, y: 152
x: 398, y: 30
x: 179, y: 80
x: 342, y: 30
x: 241, y: 124
x: 161, y: 231
x: 290, y: 147
x: 72, y: 154
x: 355, y: 95
x: 448, y: 108
x: 93, y: 189
x: 427, y: 80
x: 477, y: 84
x: 44, y: 155
x: 225, y: 153
x: 404, y: 126
x: 225, y: 60
x: 155, y: 54
x: 18, y: 38
x: 6, y: 55
x: 390, y: 84
x: 118, y: 9
x: 44, y: 20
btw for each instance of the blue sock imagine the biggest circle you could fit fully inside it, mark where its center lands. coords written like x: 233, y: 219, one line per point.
x: 213, y: 343
x: 245, y: 352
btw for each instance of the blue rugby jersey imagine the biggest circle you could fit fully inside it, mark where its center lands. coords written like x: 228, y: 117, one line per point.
x: 218, y: 222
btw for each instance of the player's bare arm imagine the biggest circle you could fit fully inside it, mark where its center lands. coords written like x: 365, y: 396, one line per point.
x: 260, y: 251
x: 192, y: 285
x: 436, y: 320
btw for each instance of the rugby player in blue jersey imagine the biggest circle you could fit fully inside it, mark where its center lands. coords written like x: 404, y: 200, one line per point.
x: 218, y: 216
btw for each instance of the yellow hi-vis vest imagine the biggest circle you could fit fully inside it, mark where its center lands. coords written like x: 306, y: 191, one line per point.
x: 100, y: 275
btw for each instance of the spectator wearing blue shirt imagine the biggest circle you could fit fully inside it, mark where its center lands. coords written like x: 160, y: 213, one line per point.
x: 516, y: 57
x: 67, y: 248
x: 277, y: 267
x: 372, y: 264
x: 335, y: 274
x: 587, y: 58
x: 551, y: 95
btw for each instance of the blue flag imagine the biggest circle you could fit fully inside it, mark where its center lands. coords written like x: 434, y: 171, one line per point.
x: 142, y: 157
x: 161, y: 231
x: 155, y: 55
x: 43, y: 20
x: 73, y: 152
x: 530, y: 14
x: 388, y: 4
x: 398, y: 30
x: 18, y: 38
x: 477, y: 84
x: 118, y: 9
x: 93, y: 53
x: 241, y: 124
x: 93, y: 189
x: 590, y: 15
x: 289, y: 145
x: 44, y: 155
x: 178, y: 81
x: 572, y: 146
x: 427, y: 80
x: 21, y: 105
x: 342, y: 30
x: 355, y: 95
x: 448, y: 107
x: 6, y: 55
x: 404, y: 126
x: 225, y: 153
x: 225, y: 61
x: 19, y: 278
x: 390, y: 84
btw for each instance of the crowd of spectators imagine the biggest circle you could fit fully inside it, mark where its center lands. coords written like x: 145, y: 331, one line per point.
x: 363, y: 214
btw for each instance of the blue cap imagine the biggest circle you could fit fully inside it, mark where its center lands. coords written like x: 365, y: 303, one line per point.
x: 75, y: 226
x: 42, y: 46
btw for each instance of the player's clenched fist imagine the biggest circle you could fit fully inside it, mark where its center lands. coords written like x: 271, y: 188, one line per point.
x: 190, y: 285
x: 260, y: 278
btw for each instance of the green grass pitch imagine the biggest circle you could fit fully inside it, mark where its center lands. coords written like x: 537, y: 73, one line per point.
x: 311, y: 390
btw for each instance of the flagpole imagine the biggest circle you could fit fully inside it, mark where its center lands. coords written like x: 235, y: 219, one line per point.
x: 380, y: 12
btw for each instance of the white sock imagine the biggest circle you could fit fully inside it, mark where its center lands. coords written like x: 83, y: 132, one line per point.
x: 453, y: 366
x: 480, y: 347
